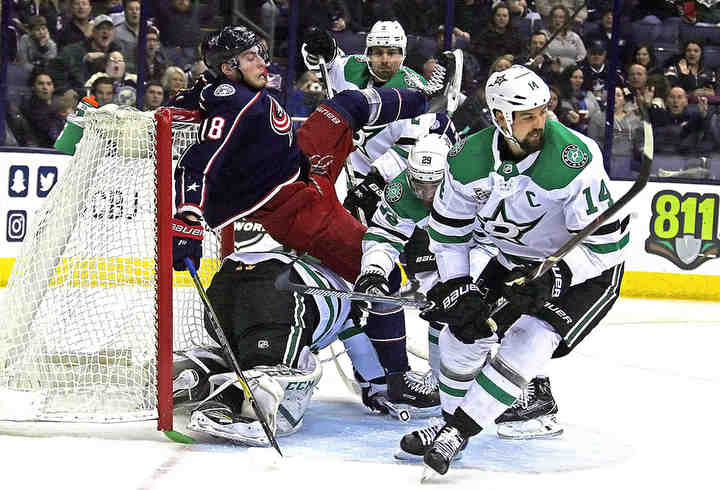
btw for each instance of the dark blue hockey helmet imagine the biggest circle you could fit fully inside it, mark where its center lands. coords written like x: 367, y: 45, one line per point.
x: 229, y: 42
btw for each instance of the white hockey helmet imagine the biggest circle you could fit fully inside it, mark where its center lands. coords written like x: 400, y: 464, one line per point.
x: 426, y: 165
x: 385, y: 33
x: 516, y: 89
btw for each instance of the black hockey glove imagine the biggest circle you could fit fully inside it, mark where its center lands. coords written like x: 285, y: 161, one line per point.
x: 187, y: 241
x: 531, y: 296
x: 418, y: 254
x: 365, y: 195
x: 372, y: 281
x: 319, y: 43
x: 461, y: 304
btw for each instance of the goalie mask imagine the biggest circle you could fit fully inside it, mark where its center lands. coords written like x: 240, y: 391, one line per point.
x: 516, y: 89
x: 230, y: 42
x: 386, y: 34
x: 426, y: 166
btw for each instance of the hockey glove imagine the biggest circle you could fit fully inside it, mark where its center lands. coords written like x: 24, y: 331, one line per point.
x: 418, y: 254
x: 461, y: 304
x: 365, y: 195
x: 372, y: 281
x: 531, y: 296
x: 187, y: 241
x: 319, y: 43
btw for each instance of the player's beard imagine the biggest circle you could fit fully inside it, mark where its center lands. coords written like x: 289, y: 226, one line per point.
x: 531, y: 143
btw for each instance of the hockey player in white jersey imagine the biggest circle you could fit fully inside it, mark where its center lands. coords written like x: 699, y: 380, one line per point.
x: 275, y: 336
x: 527, y: 185
x: 380, y: 66
x: 403, y: 214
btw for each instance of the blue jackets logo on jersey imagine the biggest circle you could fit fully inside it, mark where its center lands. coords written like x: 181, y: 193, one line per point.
x: 279, y: 119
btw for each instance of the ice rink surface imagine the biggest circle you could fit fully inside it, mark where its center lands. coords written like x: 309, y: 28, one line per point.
x: 638, y: 399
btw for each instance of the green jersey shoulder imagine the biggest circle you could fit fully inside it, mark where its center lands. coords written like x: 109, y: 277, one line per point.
x: 402, y: 200
x: 564, y: 156
x: 355, y: 71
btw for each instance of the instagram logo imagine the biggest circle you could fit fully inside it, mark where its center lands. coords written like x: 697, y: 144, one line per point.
x: 16, y: 225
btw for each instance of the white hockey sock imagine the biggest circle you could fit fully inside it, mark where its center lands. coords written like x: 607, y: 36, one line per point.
x: 459, y: 365
x: 434, y: 330
x: 524, y: 351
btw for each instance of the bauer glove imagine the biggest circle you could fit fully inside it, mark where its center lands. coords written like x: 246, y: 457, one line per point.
x: 531, y: 296
x: 365, y: 195
x: 461, y: 304
x: 187, y: 241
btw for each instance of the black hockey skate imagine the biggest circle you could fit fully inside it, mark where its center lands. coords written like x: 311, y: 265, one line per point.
x: 447, y: 444
x: 409, y: 391
x: 414, y: 445
x: 533, y: 415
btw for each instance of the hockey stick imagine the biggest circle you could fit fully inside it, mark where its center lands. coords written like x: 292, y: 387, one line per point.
x: 229, y: 354
x: 637, y: 187
x: 283, y: 283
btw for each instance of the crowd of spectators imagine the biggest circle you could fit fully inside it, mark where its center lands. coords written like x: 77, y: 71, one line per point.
x: 668, y: 55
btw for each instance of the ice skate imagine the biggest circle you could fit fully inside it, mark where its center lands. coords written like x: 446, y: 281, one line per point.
x: 532, y: 416
x: 409, y: 391
x: 447, y: 444
x: 415, y: 444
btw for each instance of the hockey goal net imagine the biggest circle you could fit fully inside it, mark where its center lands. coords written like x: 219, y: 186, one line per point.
x: 93, y: 309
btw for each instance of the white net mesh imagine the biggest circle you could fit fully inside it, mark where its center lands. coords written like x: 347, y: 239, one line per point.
x: 79, y: 341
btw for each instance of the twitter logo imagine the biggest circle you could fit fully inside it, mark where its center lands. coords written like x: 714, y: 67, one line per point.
x: 47, y: 177
x: 18, y: 181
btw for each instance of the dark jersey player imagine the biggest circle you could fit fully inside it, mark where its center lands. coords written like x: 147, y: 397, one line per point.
x: 249, y: 162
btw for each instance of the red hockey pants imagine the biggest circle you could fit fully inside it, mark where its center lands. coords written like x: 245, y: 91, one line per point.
x: 308, y: 216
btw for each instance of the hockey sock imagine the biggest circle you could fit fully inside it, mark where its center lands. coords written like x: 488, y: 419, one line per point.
x: 377, y: 106
x: 434, y: 329
x: 459, y: 364
x: 387, y: 333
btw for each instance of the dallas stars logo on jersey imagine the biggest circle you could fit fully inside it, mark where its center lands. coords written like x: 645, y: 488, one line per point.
x: 498, y: 225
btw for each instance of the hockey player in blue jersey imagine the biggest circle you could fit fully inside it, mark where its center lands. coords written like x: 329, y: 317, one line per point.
x: 249, y: 162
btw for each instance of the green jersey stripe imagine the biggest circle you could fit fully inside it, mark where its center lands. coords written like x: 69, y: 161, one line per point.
x: 332, y: 318
x: 368, y: 237
x: 607, y: 248
x: 439, y: 237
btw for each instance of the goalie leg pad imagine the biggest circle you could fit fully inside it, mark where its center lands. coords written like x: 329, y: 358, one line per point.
x: 227, y: 413
x: 191, y: 373
x: 298, y: 385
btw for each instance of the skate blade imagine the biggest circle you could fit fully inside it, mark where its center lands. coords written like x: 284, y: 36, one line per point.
x: 405, y: 413
x: 429, y: 474
x: 545, y: 427
x: 405, y: 456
